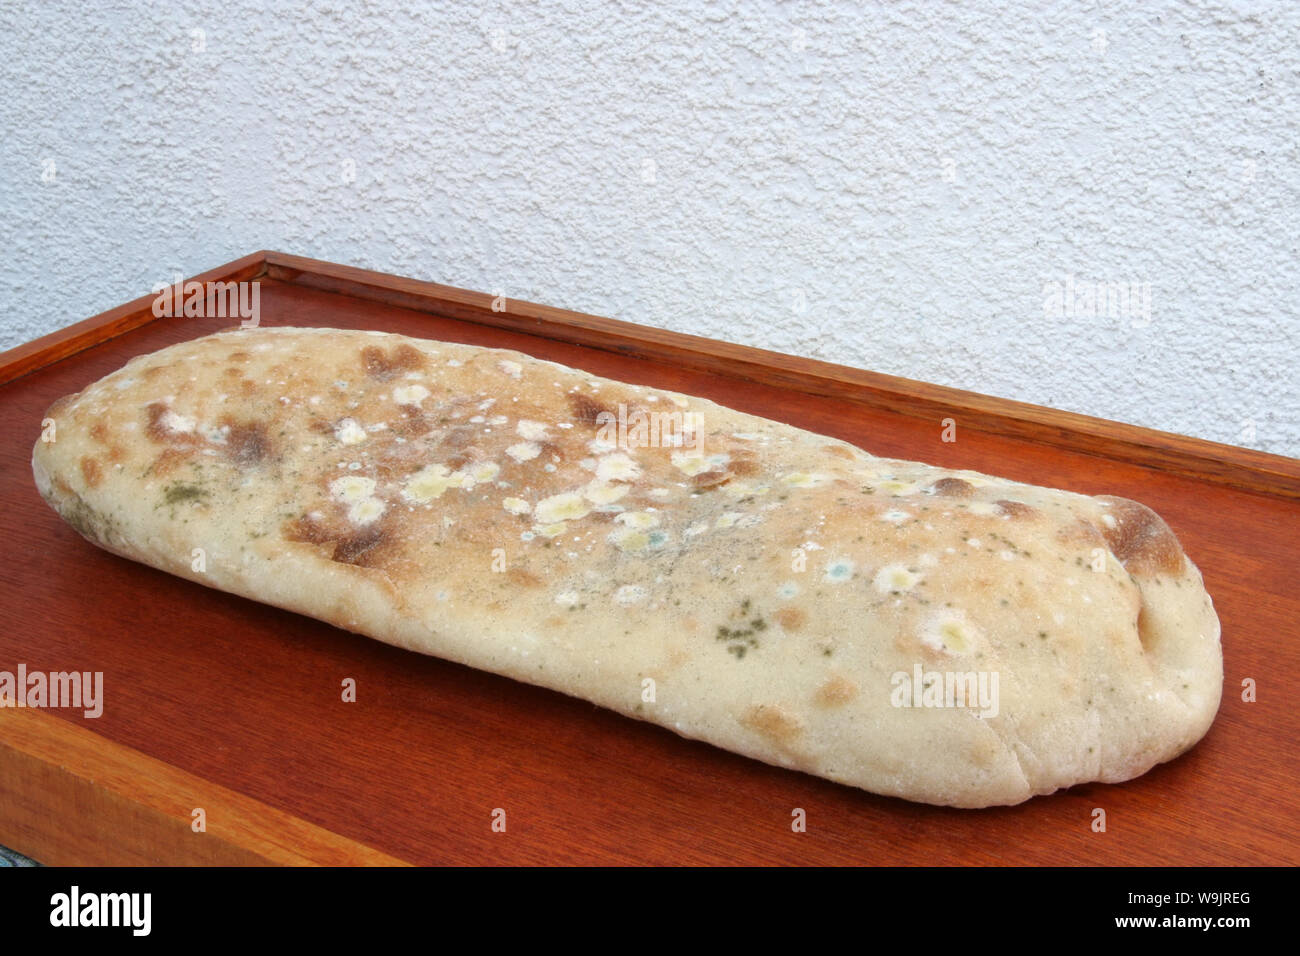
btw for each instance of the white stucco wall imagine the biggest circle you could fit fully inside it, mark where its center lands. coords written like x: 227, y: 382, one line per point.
x: 893, y: 187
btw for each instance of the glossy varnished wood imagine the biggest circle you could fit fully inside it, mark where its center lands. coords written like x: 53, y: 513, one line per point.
x: 245, y: 698
x: 84, y: 800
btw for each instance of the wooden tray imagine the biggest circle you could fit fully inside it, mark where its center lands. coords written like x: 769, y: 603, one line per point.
x: 217, y: 702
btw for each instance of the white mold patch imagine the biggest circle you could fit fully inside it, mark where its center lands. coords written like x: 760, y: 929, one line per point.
x: 895, y: 577
x: 348, y: 432
x: 524, y: 451
x: 410, y: 394
x: 531, y: 431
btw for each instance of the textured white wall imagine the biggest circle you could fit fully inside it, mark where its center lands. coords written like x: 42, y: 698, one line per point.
x: 893, y: 187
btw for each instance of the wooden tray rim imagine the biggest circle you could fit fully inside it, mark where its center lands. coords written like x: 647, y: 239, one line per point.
x: 46, y: 746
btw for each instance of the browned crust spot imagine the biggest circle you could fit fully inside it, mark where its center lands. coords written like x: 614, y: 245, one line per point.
x: 707, y: 480
x: 587, y: 409
x: 1016, y: 509
x: 952, y: 488
x: 835, y: 692
x: 156, y: 432
x: 743, y: 466
x: 550, y: 449
x: 791, y: 618
x: 772, y: 723
x: 168, y: 460
x: 839, y: 451
x: 1140, y: 539
x: 368, y: 547
x: 411, y: 422
x: 522, y: 578
x: 382, y: 366
x: 1080, y: 533
x: 116, y: 455
x: 99, y: 432
x: 459, y: 437
x: 394, y: 462
x: 308, y: 530
x: 247, y: 443
x: 362, y: 548
x: 91, y: 471
x: 238, y: 355
x: 153, y: 427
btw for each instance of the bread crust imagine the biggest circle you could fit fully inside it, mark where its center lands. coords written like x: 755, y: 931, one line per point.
x: 748, y: 583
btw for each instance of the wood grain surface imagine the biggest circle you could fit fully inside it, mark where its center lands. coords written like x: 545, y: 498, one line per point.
x: 210, y: 693
x: 57, y: 771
